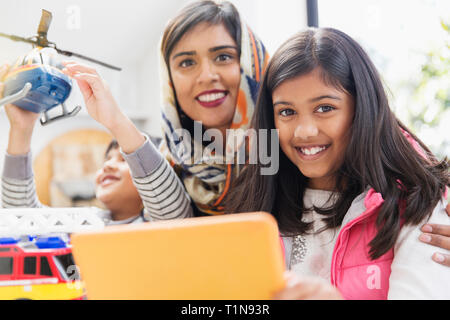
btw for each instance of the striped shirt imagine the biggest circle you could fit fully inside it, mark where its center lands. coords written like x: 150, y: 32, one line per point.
x: 163, y: 194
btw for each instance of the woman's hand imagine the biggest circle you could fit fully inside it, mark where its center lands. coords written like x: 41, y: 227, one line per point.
x: 438, y: 235
x: 307, y: 288
x: 102, y: 106
x: 21, y: 123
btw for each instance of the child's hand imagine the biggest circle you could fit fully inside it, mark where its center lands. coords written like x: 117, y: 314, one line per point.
x: 99, y: 101
x: 102, y: 106
x: 19, y: 119
x: 307, y: 288
x: 22, y: 122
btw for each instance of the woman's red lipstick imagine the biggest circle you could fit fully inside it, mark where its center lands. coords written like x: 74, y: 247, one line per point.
x: 212, y: 98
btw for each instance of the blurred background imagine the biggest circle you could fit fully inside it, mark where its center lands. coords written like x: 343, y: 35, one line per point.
x: 409, y: 41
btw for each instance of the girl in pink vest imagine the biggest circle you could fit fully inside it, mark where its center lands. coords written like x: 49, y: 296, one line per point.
x: 354, y: 186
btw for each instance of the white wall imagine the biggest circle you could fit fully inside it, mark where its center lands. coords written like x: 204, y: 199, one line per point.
x: 273, y: 21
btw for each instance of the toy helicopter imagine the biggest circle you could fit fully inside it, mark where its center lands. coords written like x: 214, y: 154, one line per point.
x: 35, y: 82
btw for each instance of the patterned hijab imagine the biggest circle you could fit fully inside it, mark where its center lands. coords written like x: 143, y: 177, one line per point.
x: 208, y: 182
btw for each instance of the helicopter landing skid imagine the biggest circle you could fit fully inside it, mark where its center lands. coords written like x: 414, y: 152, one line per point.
x: 45, y: 120
x: 17, y: 96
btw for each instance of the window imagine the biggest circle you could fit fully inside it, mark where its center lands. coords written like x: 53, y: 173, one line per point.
x: 409, y: 44
x: 6, y: 265
x: 29, y: 265
x: 45, y: 267
x: 5, y: 249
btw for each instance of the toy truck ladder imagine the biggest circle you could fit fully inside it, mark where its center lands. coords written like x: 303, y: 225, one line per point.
x: 40, y: 221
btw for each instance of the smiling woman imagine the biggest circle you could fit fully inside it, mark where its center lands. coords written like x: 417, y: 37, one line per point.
x: 211, y: 66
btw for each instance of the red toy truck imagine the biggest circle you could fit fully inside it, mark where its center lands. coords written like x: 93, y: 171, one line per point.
x: 38, y: 269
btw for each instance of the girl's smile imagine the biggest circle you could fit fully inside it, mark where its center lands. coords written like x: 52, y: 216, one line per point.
x: 313, y: 152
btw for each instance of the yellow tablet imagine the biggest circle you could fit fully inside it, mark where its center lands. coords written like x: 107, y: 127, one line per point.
x: 236, y: 256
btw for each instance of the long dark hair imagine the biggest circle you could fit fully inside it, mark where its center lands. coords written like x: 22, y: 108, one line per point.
x: 378, y: 154
x: 190, y: 16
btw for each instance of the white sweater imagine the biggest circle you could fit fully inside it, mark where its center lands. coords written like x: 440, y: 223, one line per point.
x: 414, y: 275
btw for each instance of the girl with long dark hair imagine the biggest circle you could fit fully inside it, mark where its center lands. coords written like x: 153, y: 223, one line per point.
x: 354, y: 184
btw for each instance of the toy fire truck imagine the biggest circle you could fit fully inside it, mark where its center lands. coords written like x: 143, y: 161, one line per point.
x: 41, y: 266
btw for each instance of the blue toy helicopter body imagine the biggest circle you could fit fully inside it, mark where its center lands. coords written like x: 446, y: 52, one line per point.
x: 49, y: 87
x: 36, y: 83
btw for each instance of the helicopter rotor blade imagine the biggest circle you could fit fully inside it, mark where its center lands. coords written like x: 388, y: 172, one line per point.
x: 70, y: 54
x: 17, y: 38
x: 63, y: 52
x: 44, y: 24
x: 41, y: 40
